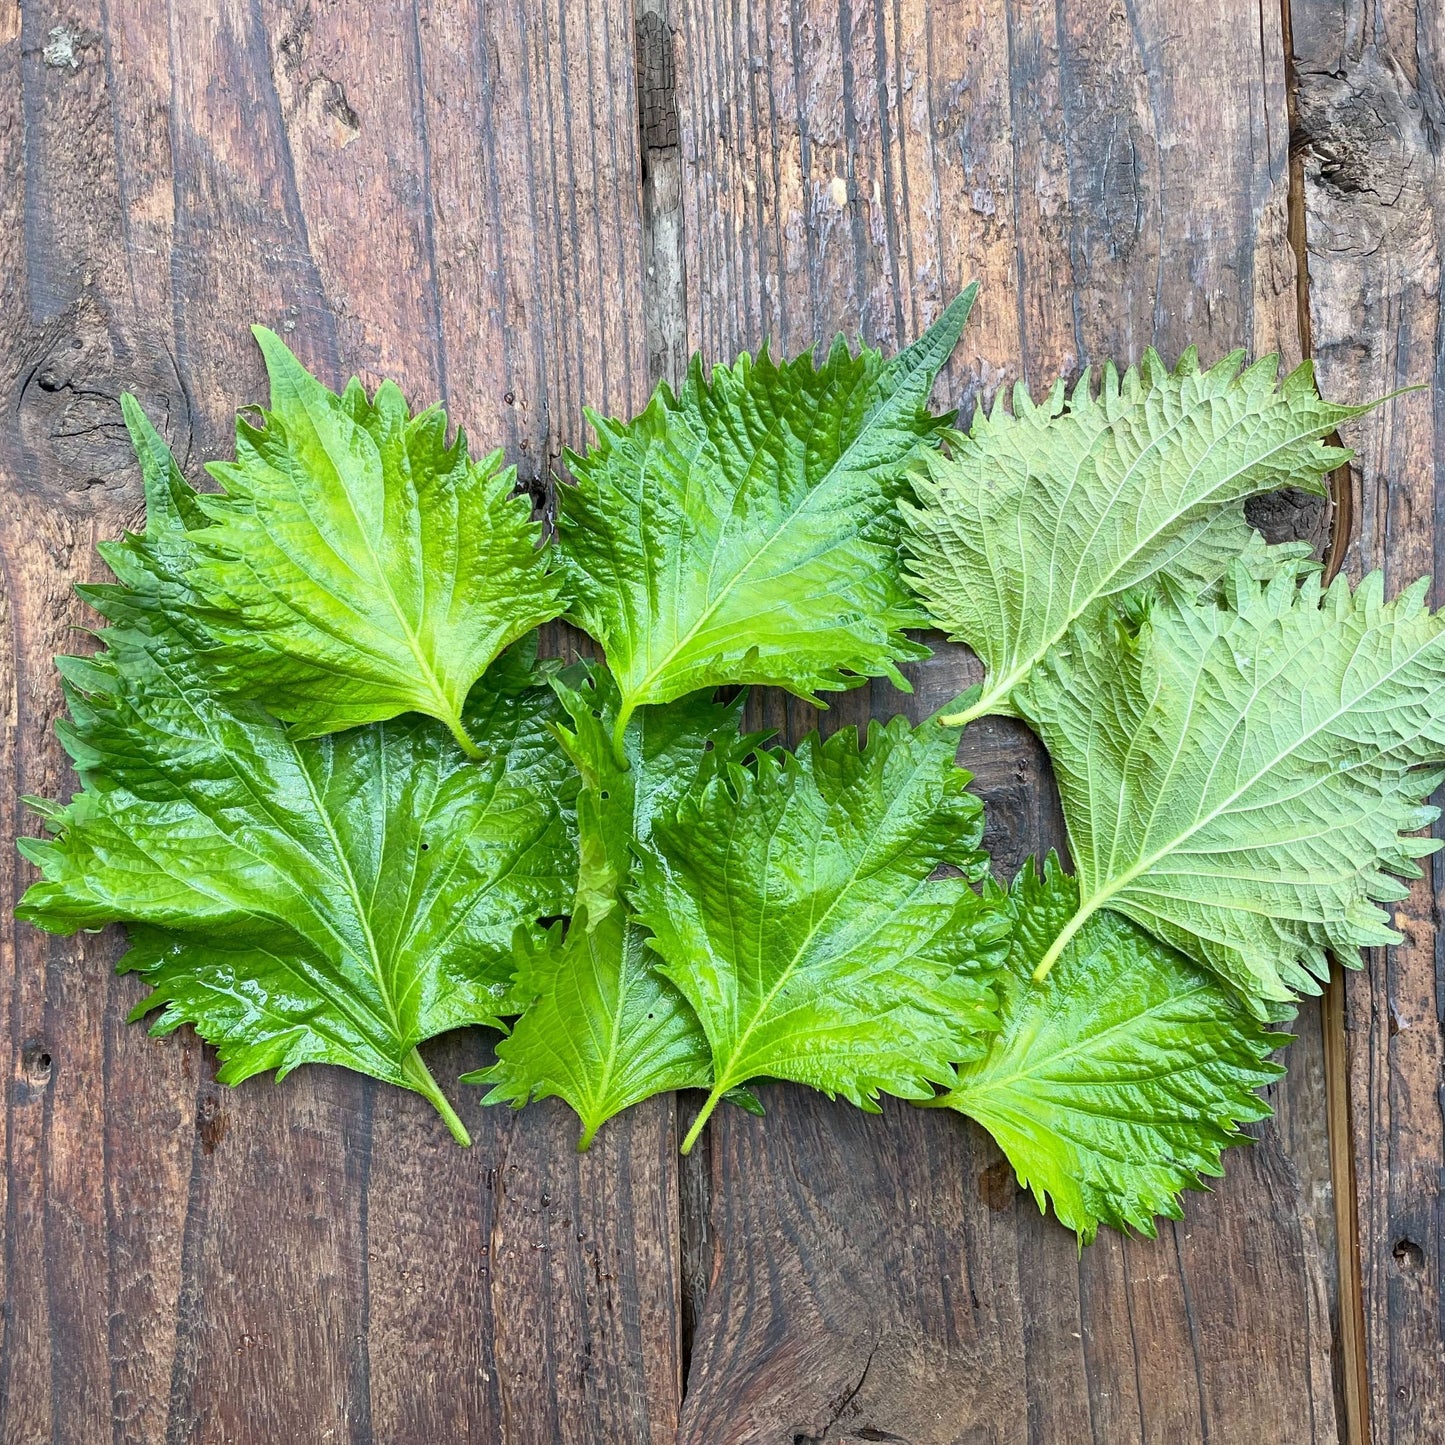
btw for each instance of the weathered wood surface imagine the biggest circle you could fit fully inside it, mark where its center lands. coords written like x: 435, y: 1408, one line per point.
x: 1371, y: 115
x: 518, y: 208
x: 447, y: 195
x: 852, y: 167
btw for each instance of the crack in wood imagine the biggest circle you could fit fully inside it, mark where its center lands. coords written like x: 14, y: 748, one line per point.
x: 664, y: 281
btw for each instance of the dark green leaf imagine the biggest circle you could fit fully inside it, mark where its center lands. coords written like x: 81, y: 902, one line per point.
x: 797, y: 911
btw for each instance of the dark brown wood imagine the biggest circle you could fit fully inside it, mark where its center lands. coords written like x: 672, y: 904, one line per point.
x: 853, y: 165
x: 1370, y: 119
x: 519, y: 208
x: 446, y: 194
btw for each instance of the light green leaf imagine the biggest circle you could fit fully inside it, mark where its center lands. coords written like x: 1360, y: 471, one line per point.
x: 1118, y: 1081
x: 797, y: 911
x: 603, y: 1029
x: 333, y: 900
x: 1031, y: 519
x: 356, y: 567
x: 1239, y: 780
x: 746, y: 531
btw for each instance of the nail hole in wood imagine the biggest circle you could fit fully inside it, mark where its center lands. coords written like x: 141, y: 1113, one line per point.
x: 35, y: 1060
x: 1408, y: 1255
x: 211, y: 1123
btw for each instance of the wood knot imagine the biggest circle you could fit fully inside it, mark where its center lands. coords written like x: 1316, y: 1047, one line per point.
x: 67, y: 401
x: 1369, y: 157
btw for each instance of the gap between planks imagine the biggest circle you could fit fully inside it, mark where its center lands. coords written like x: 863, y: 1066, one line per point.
x: 664, y: 309
x: 1352, y: 1378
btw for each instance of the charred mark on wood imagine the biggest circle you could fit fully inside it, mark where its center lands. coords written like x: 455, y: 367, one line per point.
x: 656, y: 84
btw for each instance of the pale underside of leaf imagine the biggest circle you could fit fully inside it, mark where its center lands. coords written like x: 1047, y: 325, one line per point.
x: 1242, y: 779
x: 1033, y: 519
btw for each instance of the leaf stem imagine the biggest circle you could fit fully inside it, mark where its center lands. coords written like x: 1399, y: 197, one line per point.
x: 704, y: 1114
x: 619, y: 736
x: 1062, y: 941
x: 425, y: 1085
x: 454, y: 723
x: 938, y: 1101
x: 978, y: 709
x: 992, y: 698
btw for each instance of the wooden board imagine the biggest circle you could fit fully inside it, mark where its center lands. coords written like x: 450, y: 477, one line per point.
x: 517, y: 208
x: 421, y: 193
x: 853, y: 166
x: 1370, y: 119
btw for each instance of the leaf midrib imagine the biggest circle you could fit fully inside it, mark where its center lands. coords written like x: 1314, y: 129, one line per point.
x: 1122, y: 881
x: 344, y: 1003
x: 765, y: 1003
x: 381, y: 578
x: 1094, y: 1039
x: 1025, y: 662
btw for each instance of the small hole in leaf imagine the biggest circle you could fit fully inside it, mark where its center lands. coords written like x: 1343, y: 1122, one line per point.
x: 604, y: 795
x: 597, y: 713
x: 425, y: 846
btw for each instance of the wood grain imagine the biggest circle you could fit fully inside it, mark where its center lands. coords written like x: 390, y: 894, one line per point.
x: 517, y: 208
x: 853, y: 165
x: 426, y: 192
x: 1370, y: 116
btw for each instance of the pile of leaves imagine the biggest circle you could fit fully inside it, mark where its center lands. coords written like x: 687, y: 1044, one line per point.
x: 342, y: 807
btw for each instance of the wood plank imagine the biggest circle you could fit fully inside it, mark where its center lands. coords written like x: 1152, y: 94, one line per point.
x: 1369, y: 106
x: 851, y: 165
x: 446, y: 194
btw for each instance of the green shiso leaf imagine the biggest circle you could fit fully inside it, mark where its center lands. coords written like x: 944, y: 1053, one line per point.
x: 1118, y: 1081
x: 357, y: 566
x: 796, y: 910
x: 747, y: 529
x: 1241, y: 779
x: 333, y: 900
x: 1030, y: 519
x: 603, y: 1029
